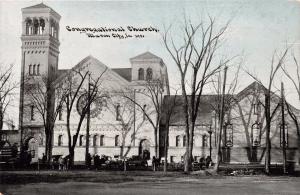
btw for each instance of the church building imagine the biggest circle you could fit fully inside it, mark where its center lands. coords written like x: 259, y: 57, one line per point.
x: 123, y: 120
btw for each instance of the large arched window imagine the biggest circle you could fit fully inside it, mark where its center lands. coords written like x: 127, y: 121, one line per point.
x: 177, y: 141
x: 117, y: 140
x: 141, y: 74
x: 149, y: 74
x: 102, y: 140
x: 60, y: 140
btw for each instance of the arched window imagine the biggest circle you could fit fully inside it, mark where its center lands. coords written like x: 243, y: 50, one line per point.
x: 33, y: 70
x: 30, y: 69
x: 28, y: 27
x: 177, y: 141
x: 32, y: 112
x: 144, y: 112
x: 42, y: 26
x: 60, y: 140
x: 118, y: 116
x: 149, y: 74
x: 141, y: 74
x: 81, y: 140
x: 204, y: 141
x: 35, y: 26
x: 102, y: 140
x: 284, y: 135
x: 60, y: 110
x: 117, y: 140
x: 38, y: 69
x: 184, y: 141
x: 95, y: 140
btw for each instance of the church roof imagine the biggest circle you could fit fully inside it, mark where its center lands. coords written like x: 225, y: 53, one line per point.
x: 41, y: 5
x: 123, y: 72
x: 146, y: 56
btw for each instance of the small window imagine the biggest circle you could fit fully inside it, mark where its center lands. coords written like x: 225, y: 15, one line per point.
x: 144, y: 112
x: 34, y: 73
x: 60, y: 114
x: 95, y: 139
x: 184, y: 141
x: 117, y: 140
x: 30, y: 69
x: 118, y: 116
x: 172, y: 159
x: 32, y: 113
x: 204, y: 141
x: 38, y: 69
x: 60, y: 140
x: 149, y: 74
x: 141, y: 74
x: 177, y: 141
x: 102, y: 140
x: 81, y: 140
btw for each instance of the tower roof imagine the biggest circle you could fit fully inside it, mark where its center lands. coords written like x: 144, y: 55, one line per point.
x: 40, y: 6
x: 146, y: 56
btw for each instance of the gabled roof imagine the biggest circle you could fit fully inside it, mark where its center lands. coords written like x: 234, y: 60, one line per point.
x: 41, y: 5
x: 123, y: 72
x: 146, y: 56
x: 86, y: 62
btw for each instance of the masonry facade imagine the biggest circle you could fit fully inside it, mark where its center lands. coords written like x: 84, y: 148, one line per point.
x: 108, y: 135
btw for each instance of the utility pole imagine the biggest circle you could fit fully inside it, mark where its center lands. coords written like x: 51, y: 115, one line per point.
x: 87, y: 142
x: 218, y: 156
x: 283, y: 129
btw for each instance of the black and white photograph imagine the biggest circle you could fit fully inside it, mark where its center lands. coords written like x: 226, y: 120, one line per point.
x: 149, y: 97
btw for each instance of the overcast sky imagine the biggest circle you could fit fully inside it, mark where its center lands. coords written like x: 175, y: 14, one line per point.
x: 256, y: 30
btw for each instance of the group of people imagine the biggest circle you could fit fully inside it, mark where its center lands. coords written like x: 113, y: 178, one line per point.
x: 205, y: 162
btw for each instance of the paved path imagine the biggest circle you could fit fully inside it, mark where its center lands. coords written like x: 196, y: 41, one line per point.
x: 165, y: 185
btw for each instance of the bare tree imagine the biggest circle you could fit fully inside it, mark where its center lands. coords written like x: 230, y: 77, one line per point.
x: 76, y: 93
x: 48, y: 102
x: 221, y: 105
x: 153, y: 94
x: 195, y: 56
x: 294, y: 77
x: 7, y: 85
x: 170, y: 104
x: 276, y: 62
x: 129, y: 120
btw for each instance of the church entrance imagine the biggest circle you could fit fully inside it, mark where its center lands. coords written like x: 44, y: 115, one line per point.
x: 144, y: 149
x: 32, y: 148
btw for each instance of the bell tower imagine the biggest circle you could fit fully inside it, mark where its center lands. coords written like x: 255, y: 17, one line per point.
x: 40, y: 51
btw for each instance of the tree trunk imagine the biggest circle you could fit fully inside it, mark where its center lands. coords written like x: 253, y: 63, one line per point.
x: 166, y: 148
x: 268, y: 128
